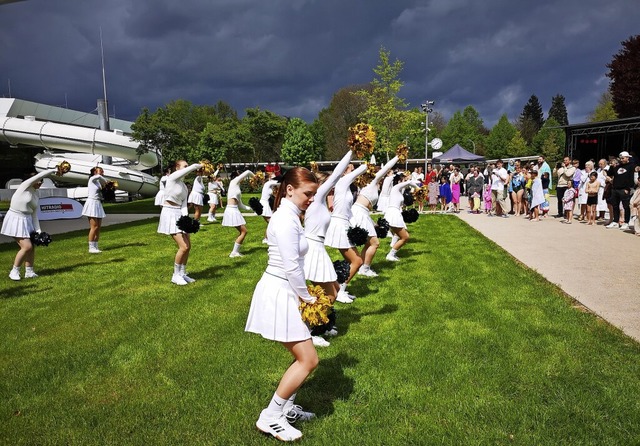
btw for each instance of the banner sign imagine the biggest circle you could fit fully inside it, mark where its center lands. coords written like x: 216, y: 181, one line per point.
x: 57, y: 208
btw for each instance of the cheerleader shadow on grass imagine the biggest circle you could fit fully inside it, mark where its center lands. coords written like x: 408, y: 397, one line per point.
x: 353, y: 314
x: 23, y: 289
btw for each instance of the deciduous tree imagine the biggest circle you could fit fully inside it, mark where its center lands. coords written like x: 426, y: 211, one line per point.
x: 604, y: 111
x: 298, y: 146
x: 624, y: 72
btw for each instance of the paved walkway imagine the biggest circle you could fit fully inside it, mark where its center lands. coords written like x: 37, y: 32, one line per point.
x: 605, y: 277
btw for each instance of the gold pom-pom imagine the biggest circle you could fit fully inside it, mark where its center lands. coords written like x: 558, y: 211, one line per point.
x: 63, y: 168
x: 314, y: 167
x: 402, y: 152
x: 362, y: 140
x: 421, y: 194
x: 316, y: 313
x: 368, y: 176
x: 257, y: 180
x: 207, y: 168
x: 112, y: 185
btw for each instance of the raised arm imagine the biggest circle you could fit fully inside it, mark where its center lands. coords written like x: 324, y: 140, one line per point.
x: 179, y: 174
x: 332, y: 179
x: 34, y: 179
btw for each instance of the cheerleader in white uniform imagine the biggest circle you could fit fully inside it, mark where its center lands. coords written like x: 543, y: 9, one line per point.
x: 174, y: 207
x: 21, y: 220
x: 214, y: 188
x: 196, y: 197
x: 393, y: 215
x: 161, y: 184
x: 232, y: 216
x: 93, y: 209
x: 267, y: 191
x: 385, y: 190
x: 274, y: 311
x: 366, y: 200
x: 336, y: 236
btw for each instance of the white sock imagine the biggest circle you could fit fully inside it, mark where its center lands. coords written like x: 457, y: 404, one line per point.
x: 366, y: 267
x: 91, y: 245
x: 16, y: 268
x: 289, y: 404
x: 176, y: 269
x: 394, y: 239
x: 276, y: 406
x: 28, y: 269
x: 393, y: 252
x: 182, y: 270
x: 236, y: 247
x: 343, y: 287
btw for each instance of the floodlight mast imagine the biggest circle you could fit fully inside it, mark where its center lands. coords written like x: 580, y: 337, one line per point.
x: 426, y: 109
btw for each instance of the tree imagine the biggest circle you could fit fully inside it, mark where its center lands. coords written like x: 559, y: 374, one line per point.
x: 531, y: 119
x: 298, y: 147
x: 384, y: 107
x: 604, y: 110
x: 227, y: 141
x: 624, y: 72
x: 558, y: 110
x: 499, y: 138
x: 463, y: 128
x: 517, y: 146
x: 343, y: 112
x: 267, y: 133
x: 550, y: 141
x: 319, y: 140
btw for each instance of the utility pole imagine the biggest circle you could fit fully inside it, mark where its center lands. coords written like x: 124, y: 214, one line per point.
x: 426, y: 108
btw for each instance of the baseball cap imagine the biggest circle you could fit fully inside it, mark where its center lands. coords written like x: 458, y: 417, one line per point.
x: 625, y: 154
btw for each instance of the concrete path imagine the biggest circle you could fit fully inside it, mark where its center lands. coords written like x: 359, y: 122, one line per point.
x: 606, y: 273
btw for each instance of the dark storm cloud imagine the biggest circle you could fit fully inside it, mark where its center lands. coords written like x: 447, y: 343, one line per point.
x: 292, y: 56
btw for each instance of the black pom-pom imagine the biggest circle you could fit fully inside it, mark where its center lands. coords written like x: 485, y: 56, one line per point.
x: 410, y: 215
x: 357, y: 235
x: 255, y: 204
x: 383, y: 223
x: 381, y: 232
x: 408, y: 197
x: 109, y: 195
x: 205, y: 199
x: 188, y: 224
x: 342, y: 268
x: 41, y: 239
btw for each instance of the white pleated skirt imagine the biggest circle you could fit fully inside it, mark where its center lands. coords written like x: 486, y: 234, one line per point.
x: 232, y: 216
x: 318, y: 266
x: 159, y: 198
x: 361, y: 217
x: 16, y: 224
x: 266, y: 209
x: 336, y: 236
x: 394, y: 216
x: 214, y: 200
x: 168, y: 219
x: 93, y: 208
x: 383, y: 202
x: 196, y: 198
x: 274, y: 313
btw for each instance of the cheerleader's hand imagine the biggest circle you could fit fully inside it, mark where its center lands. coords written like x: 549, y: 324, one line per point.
x: 310, y: 299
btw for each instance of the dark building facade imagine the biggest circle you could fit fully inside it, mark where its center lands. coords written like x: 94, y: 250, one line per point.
x: 596, y: 140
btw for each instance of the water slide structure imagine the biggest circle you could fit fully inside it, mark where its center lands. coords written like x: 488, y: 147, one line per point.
x: 83, y: 147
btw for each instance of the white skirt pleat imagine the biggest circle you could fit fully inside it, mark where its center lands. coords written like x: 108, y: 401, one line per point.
x: 383, y: 202
x: 16, y: 224
x: 274, y: 313
x: 266, y: 209
x: 336, y: 236
x: 196, y: 198
x: 318, y: 266
x: 232, y: 216
x: 361, y: 217
x: 214, y: 200
x: 168, y: 219
x: 394, y: 216
x: 93, y: 208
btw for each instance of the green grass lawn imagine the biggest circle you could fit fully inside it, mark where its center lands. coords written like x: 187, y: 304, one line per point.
x: 456, y: 344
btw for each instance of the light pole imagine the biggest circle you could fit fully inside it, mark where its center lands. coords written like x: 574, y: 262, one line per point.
x: 426, y: 108
x: 474, y: 145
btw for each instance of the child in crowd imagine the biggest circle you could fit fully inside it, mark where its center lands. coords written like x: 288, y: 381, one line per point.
x: 432, y: 193
x: 445, y: 193
x: 544, y: 207
x: 487, y: 198
x: 568, y: 201
x: 592, y: 188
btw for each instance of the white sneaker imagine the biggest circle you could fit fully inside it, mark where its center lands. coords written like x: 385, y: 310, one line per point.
x: 371, y: 273
x: 277, y: 427
x: 265, y: 241
x: 211, y: 218
x: 178, y: 280
x: 332, y: 332
x: 235, y: 254
x: 319, y: 341
x: 612, y: 225
x: 296, y: 413
x: 188, y: 279
x: 390, y: 257
x: 624, y: 227
x: 30, y: 275
x: 14, y: 275
x: 344, y: 298
x: 362, y: 271
x: 94, y: 251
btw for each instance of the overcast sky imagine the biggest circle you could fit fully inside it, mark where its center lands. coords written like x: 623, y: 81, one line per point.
x: 290, y: 57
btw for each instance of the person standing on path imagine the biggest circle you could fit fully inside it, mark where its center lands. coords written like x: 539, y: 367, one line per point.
x: 93, y: 209
x: 621, y: 190
x: 565, y: 180
x: 499, y: 177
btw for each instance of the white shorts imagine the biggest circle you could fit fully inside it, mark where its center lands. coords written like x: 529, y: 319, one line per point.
x: 93, y: 208
x: 274, y: 313
x: 16, y: 224
x: 232, y: 216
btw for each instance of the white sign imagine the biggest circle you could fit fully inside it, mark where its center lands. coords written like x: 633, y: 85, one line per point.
x: 57, y: 208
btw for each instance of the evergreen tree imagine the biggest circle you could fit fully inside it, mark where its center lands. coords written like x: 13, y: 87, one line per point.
x: 517, y: 146
x: 531, y: 119
x: 550, y: 141
x: 558, y: 110
x: 625, y: 81
x: 499, y: 138
x: 298, y: 145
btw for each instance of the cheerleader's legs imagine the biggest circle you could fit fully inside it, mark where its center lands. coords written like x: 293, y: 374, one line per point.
x: 369, y: 250
x: 355, y: 261
x: 403, y: 237
x: 305, y: 362
x: 330, y: 289
x: 183, y: 241
x: 26, y: 253
x: 94, y: 228
x: 197, y: 211
x: 238, y: 243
